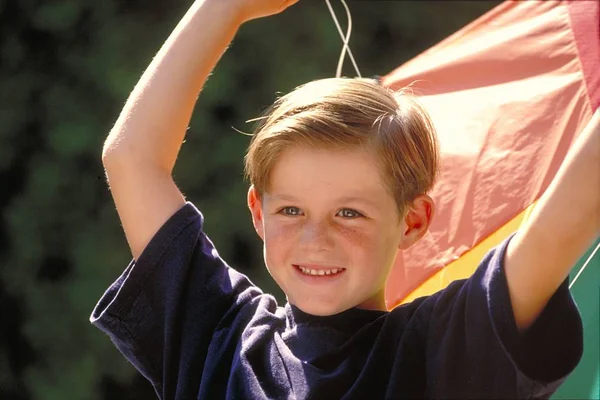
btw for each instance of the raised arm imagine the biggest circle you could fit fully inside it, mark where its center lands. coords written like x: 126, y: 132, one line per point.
x: 562, y: 226
x: 140, y: 151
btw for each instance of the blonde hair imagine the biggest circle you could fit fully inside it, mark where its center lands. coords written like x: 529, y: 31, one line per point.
x: 343, y: 113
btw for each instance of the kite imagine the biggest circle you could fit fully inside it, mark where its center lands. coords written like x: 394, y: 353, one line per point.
x: 508, y: 94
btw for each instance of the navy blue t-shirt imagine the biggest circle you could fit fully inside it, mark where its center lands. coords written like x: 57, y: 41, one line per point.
x: 198, y: 329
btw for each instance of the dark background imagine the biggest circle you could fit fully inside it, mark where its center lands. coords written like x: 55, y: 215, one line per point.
x: 66, y: 69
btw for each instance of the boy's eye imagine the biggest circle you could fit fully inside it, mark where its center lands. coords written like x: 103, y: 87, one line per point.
x: 349, y: 213
x: 291, y: 211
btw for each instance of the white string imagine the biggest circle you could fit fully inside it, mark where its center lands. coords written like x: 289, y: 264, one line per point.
x: 584, y: 265
x: 345, y: 39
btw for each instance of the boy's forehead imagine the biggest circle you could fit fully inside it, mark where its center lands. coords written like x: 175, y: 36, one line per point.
x: 344, y: 174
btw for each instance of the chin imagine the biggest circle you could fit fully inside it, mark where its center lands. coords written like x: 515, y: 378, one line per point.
x: 321, y: 310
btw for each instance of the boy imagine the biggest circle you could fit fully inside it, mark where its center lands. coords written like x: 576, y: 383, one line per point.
x: 339, y: 169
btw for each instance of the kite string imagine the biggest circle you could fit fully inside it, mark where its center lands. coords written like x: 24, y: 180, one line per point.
x: 346, y: 47
x: 584, y: 265
x: 345, y: 39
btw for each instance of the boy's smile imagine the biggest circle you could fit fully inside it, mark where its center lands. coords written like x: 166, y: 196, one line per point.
x: 330, y: 227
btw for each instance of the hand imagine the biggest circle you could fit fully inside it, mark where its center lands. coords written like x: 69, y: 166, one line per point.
x: 254, y: 9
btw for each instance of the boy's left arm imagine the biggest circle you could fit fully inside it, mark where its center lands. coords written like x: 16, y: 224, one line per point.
x: 562, y: 226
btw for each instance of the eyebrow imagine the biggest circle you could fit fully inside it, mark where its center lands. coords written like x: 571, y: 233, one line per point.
x: 283, y: 197
x: 358, y: 200
x: 349, y: 199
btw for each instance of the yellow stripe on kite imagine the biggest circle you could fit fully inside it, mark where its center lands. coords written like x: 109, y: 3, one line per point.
x: 467, y: 263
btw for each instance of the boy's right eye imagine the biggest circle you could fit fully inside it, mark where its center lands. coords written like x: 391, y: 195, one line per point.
x: 290, y: 211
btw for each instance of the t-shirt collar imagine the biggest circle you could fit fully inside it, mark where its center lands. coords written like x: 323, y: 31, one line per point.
x: 348, y: 321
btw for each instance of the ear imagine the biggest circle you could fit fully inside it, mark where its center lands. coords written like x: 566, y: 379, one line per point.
x: 417, y: 220
x: 255, y: 206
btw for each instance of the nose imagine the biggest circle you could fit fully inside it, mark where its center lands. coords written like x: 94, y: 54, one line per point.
x: 316, y: 236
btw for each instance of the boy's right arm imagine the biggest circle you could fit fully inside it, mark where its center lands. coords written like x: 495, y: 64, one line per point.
x: 140, y: 151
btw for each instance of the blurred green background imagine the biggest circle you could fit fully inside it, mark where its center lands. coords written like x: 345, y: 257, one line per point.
x: 66, y: 69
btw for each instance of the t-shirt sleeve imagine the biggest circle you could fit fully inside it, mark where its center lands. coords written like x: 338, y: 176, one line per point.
x: 474, y: 349
x: 162, y: 311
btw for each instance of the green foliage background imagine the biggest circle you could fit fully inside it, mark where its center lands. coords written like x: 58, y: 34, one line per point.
x: 66, y: 69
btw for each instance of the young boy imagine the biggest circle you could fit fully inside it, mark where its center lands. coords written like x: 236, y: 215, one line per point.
x: 339, y: 169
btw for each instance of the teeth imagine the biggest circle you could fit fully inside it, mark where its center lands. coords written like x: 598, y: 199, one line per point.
x: 309, y: 271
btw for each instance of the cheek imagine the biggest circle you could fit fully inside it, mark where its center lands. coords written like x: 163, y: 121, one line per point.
x: 279, y: 239
x: 359, y: 238
x: 362, y: 244
x: 276, y: 231
x: 370, y: 246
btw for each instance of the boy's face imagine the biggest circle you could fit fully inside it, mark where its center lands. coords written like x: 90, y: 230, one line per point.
x: 328, y: 210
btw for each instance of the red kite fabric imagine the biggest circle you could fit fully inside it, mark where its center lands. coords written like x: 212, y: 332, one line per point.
x: 508, y: 95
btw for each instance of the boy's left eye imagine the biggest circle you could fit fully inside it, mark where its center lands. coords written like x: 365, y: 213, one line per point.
x: 349, y: 213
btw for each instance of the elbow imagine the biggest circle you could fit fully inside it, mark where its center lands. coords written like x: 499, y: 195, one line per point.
x: 106, y: 156
x: 117, y: 149
x: 116, y: 156
x: 110, y: 158
x: 109, y: 150
x: 122, y: 157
